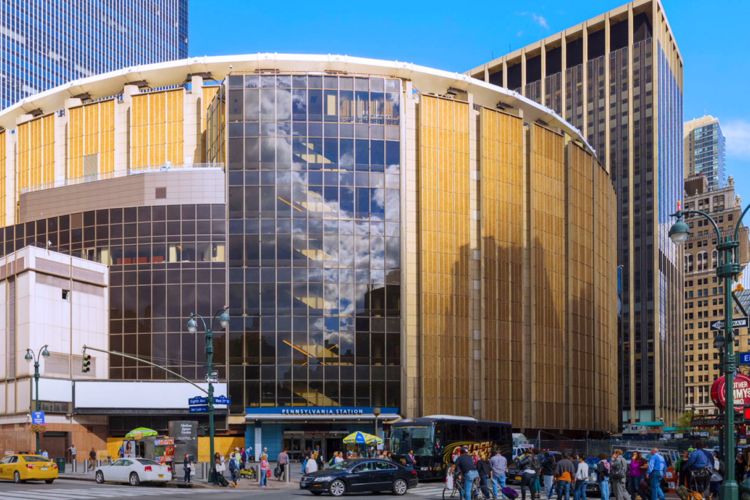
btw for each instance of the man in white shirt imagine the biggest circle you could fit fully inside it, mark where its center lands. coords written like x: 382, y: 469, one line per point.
x: 499, y: 466
x: 582, y: 477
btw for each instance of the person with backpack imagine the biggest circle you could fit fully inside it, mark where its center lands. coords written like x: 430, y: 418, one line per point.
x: 234, y: 470
x: 602, y: 475
x: 617, y: 474
x: 699, y: 468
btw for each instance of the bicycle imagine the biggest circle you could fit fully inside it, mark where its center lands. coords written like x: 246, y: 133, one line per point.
x: 458, y: 490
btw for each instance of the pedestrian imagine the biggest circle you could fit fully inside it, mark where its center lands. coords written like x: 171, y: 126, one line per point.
x: 582, y: 479
x: 310, y: 465
x: 411, y: 459
x: 699, y: 467
x: 528, y: 477
x: 657, y: 467
x: 265, y: 470
x: 339, y: 457
x: 740, y: 468
x: 485, y: 473
x: 466, y: 467
x: 717, y: 476
x: 617, y: 475
x: 281, y: 461
x: 636, y: 468
x: 219, y: 469
x: 186, y: 468
x: 548, y: 473
x: 45, y: 454
x: 499, y: 466
x: 92, y: 459
x: 234, y: 470
x: 602, y: 475
x: 73, y: 452
x: 565, y: 472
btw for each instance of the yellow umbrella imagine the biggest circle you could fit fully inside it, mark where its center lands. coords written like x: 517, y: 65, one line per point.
x: 362, y: 438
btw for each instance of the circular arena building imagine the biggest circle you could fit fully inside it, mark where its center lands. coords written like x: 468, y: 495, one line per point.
x: 392, y: 240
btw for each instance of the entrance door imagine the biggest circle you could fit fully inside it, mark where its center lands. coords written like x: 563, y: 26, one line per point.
x: 55, y: 443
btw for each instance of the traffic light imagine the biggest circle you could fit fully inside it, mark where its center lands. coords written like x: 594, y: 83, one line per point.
x: 86, y: 363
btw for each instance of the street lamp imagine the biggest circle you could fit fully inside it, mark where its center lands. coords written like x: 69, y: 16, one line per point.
x: 727, y: 269
x: 30, y: 356
x: 192, y: 325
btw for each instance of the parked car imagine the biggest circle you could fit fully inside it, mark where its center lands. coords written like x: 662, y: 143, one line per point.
x: 28, y: 467
x: 133, y: 471
x: 361, y: 475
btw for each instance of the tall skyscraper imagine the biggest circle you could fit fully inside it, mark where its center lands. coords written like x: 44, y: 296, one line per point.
x: 618, y: 77
x: 704, y: 292
x: 44, y: 43
x: 705, y: 151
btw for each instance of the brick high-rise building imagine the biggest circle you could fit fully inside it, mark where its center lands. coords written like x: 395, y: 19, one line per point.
x: 704, y: 299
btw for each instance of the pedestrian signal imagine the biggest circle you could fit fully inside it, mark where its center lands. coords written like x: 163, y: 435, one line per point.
x: 86, y: 363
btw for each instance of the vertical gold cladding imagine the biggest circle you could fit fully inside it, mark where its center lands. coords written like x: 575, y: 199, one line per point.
x: 208, y: 94
x: 156, y: 129
x: 444, y: 265
x: 36, y: 153
x: 548, y: 269
x: 91, y: 136
x: 502, y: 184
x: 585, y: 367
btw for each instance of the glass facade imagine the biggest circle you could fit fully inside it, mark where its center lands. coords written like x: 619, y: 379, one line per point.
x: 165, y: 262
x: 47, y: 43
x: 706, y: 151
x: 313, y: 165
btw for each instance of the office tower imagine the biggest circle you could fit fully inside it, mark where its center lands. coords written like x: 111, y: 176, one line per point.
x: 45, y: 43
x: 618, y: 78
x: 705, y: 151
x: 704, y: 292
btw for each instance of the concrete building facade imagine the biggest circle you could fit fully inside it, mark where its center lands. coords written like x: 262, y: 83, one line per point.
x: 618, y: 78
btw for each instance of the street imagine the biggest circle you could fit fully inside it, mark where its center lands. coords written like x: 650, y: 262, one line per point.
x: 66, y: 489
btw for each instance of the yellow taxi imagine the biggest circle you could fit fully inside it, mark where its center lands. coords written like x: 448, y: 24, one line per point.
x: 25, y: 467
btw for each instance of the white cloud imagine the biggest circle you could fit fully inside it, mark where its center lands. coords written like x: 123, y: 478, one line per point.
x: 737, y: 133
x: 540, y: 20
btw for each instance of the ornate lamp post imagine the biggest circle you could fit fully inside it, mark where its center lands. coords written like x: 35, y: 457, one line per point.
x: 31, y: 356
x: 727, y: 270
x: 192, y: 325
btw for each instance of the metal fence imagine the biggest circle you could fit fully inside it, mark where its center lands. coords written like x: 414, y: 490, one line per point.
x: 593, y: 447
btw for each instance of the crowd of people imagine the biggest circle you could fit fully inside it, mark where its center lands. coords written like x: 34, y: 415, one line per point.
x: 549, y: 474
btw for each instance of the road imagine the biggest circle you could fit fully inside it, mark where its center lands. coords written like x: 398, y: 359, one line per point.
x: 64, y: 489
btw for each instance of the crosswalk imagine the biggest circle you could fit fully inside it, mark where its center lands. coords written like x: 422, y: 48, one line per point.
x: 42, y: 493
x: 429, y: 491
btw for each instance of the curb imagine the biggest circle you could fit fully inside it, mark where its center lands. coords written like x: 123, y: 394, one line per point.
x: 169, y: 484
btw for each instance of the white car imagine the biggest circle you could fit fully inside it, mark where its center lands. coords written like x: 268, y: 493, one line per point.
x: 134, y: 471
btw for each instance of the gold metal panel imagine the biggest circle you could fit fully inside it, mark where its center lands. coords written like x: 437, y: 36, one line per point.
x: 91, y: 132
x: 36, y: 153
x: 156, y: 129
x: 444, y: 217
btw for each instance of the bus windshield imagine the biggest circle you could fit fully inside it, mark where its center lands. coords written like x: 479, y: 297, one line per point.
x: 417, y: 438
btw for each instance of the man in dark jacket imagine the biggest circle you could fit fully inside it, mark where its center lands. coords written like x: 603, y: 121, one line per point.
x: 548, y: 473
x: 465, y: 465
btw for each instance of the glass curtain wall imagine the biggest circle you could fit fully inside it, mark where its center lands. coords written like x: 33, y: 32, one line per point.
x: 314, y: 265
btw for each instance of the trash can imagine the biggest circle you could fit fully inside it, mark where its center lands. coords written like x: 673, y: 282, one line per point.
x: 60, y: 465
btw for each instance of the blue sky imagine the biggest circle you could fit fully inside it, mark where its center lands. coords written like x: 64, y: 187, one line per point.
x: 456, y: 36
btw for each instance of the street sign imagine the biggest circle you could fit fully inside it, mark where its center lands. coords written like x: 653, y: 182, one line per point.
x: 744, y: 358
x: 736, y: 323
x: 213, y: 377
x: 37, y: 418
x: 198, y: 400
x: 222, y: 400
x: 199, y: 409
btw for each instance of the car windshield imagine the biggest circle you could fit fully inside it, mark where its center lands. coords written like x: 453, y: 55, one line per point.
x: 343, y: 465
x: 35, y: 458
x: 417, y: 438
x: 145, y: 461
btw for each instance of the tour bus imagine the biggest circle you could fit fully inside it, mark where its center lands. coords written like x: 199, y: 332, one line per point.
x: 435, y: 438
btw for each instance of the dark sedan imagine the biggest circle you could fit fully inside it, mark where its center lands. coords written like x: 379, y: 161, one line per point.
x: 360, y: 475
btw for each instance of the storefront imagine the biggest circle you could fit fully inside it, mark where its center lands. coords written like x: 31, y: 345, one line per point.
x: 298, y: 429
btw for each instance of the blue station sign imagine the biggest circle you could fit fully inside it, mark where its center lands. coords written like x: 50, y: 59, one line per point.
x: 332, y: 411
x: 37, y: 418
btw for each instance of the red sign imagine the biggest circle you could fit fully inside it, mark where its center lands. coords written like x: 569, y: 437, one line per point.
x: 741, y: 392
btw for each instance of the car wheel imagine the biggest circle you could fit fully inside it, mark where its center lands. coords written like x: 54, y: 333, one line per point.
x: 49, y: 481
x: 134, y: 480
x: 337, y: 488
x: 99, y: 477
x: 399, y: 487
